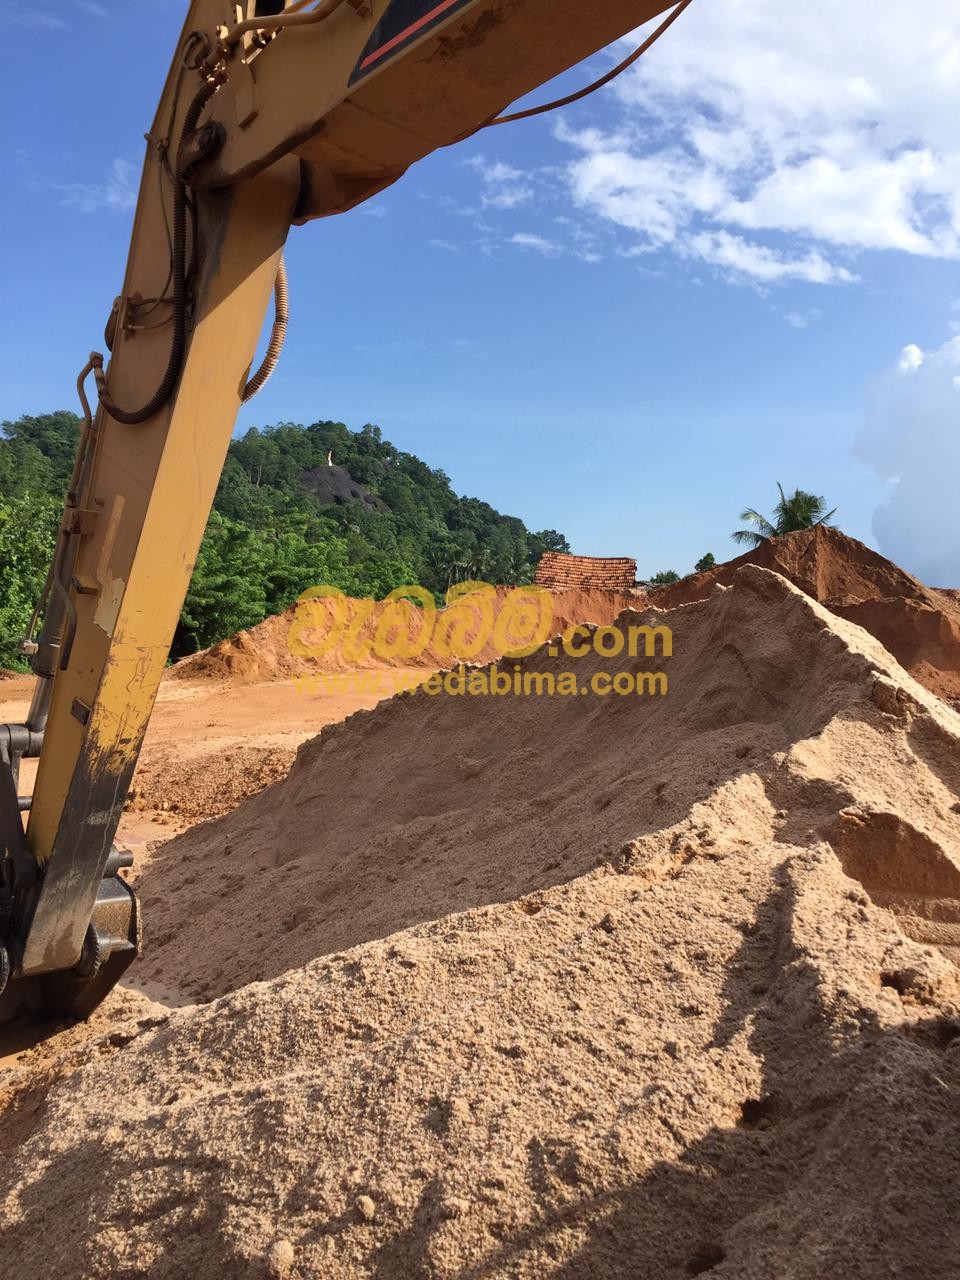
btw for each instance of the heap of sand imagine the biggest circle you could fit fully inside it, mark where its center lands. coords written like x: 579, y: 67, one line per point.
x: 569, y: 987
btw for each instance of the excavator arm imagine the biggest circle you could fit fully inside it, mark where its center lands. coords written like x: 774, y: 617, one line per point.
x: 272, y: 114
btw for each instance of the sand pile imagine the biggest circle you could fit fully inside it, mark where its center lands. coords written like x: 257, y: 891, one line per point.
x: 667, y: 1031
x: 346, y: 636
x: 429, y: 805
x: 919, y: 625
x: 732, y: 1066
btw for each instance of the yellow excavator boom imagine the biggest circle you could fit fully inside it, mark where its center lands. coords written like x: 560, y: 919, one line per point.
x: 272, y: 114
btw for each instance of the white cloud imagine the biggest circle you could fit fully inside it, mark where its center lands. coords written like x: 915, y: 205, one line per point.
x: 825, y: 129
x: 503, y: 186
x: 526, y: 240
x: 118, y: 191
x: 912, y: 439
x: 497, y: 172
x: 763, y: 264
x: 911, y: 358
x: 803, y: 319
x: 654, y: 195
x: 867, y: 204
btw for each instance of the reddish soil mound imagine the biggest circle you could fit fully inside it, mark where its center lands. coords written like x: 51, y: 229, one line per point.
x: 919, y: 625
x: 354, y: 635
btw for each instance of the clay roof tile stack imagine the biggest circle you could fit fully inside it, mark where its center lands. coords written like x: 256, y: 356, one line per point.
x: 594, y: 573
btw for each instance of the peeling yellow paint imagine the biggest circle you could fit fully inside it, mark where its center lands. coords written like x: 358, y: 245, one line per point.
x: 108, y: 606
x: 106, y: 551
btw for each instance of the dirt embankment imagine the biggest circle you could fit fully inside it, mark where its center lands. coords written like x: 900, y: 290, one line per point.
x: 919, y: 625
x: 643, y: 1015
x: 346, y: 634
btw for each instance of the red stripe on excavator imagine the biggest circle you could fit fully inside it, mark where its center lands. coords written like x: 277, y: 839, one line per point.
x: 404, y: 35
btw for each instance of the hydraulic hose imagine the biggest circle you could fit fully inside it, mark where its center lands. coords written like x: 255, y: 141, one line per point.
x: 291, y: 17
x: 597, y: 84
x: 281, y: 314
x: 179, y: 253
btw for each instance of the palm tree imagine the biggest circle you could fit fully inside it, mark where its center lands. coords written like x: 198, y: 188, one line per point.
x: 801, y: 510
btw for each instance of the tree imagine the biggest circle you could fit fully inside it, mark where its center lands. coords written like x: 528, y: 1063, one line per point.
x: 704, y: 563
x: 547, y: 540
x: 272, y: 533
x: 801, y: 510
x: 37, y: 453
x: 293, y: 562
x: 665, y: 578
x: 378, y: 577
x: 28, y: 535
x: 227, y: 589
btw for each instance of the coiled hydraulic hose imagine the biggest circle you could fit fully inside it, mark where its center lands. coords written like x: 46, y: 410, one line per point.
x: 281, y: 314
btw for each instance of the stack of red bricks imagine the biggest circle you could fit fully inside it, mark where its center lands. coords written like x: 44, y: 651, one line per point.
x: 585, y: 573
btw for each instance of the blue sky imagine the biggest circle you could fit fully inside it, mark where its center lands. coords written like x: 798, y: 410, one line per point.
x: 625, y: 322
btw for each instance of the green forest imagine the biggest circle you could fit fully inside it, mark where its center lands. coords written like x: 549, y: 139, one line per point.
x: 284, y: 520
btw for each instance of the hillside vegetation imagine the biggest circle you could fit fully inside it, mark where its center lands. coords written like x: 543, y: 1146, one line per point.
x: 284, y: 520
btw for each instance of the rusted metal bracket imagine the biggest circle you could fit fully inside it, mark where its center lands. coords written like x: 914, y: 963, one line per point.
x: 80, y: 521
